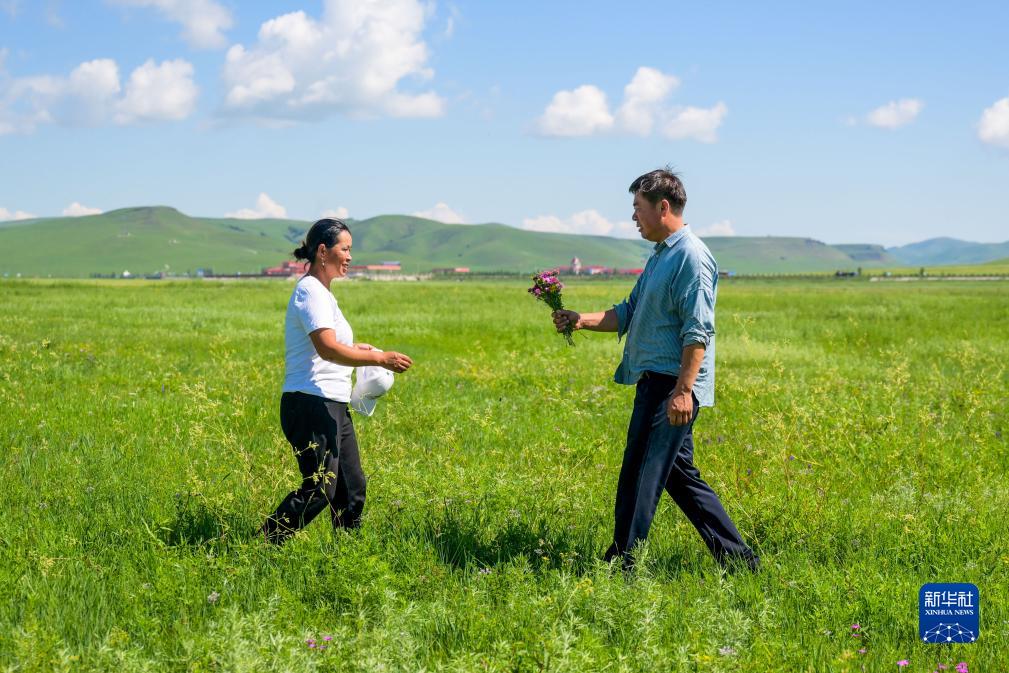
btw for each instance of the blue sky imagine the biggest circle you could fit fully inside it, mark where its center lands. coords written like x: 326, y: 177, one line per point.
x: 846, y: 123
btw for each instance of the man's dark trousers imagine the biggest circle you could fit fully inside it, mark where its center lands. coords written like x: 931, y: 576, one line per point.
x: 661, y: 456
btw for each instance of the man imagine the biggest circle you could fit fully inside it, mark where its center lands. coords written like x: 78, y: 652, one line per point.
x: 669, y: 353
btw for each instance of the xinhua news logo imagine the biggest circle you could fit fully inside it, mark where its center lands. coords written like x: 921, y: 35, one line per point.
x: 949, y: 613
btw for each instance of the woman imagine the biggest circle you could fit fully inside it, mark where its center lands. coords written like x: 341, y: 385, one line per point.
x: 320, y: 356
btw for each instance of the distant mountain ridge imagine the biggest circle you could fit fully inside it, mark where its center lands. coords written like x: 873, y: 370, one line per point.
x: 150, y: 239
x: 949, y: 251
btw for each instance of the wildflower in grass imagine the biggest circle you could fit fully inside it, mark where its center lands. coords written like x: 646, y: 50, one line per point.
x: 547, y: 288
x: 961, y: 667
x: 485, y: 571
x: 942, y: 667
x: 727, y: 651
x: 212, y: 598
x: 903, y: 662
x: 327, y: 638
x: 862, y: 650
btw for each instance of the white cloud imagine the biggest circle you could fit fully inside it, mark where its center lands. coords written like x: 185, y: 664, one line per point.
x: 895, y: 114
x: 91, y: 95
x: 642, y: 98
x: 203, y: 21
x: 700, y: 124
x: 585, y: 111
x: 265, y: 208
x: 442, y: 213
x: 16, y: 215
x: 352, y: 60
x: 340, y: 213
x: 589, y: 222
x: 158, y: 92
x: 723, y: 228
x: 993, y: 128
x: 580, y: 112
x: 75, y: 209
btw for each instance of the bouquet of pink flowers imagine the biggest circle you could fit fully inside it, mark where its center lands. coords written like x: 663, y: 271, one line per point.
x: 547, y: 288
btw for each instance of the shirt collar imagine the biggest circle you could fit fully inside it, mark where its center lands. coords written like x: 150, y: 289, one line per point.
x: 671, y: 240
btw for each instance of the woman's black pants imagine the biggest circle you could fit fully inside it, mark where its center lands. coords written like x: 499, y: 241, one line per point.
x: 321, y: 433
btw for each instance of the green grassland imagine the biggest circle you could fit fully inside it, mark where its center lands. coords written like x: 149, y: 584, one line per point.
x: 859, y: 441
x: 998, y: 267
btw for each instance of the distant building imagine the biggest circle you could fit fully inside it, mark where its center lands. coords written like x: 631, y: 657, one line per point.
x: 384, y: 266
x: 455, y: 269
x: 595, y: 269
x: 287, y: 268
x: 576, y: 266
x: 629, y: 272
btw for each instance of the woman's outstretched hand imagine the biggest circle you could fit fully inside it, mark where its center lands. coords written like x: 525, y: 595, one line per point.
x: 394, y: 362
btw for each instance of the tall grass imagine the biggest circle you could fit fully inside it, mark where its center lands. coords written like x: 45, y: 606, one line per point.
x: 858, y: 441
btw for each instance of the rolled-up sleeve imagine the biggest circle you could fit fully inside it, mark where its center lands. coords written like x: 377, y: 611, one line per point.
x: 697, y: 311
x: 624, y: 312
x: 625, y: 309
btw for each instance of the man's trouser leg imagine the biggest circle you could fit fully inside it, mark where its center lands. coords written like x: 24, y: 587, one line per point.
x: 660, y: 456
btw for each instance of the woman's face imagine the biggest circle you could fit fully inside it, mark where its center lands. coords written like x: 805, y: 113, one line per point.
x: 338, y: 257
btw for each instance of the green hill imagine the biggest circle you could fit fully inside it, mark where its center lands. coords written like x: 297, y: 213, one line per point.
x: 152, y: 239
x: 774, y: 254
x: 867, y: 254
x: 421, y: 244
x: 161, y: 239
x: 936, y: 251
x: 140, y: 240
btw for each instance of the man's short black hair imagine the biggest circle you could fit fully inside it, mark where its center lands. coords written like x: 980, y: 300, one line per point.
x: 662, y: 184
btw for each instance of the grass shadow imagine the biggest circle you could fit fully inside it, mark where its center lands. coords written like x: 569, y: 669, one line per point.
x: 197, y: 522
x: 479, y: 537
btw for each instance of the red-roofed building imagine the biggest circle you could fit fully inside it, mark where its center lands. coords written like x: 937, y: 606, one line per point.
x: 287, y: 268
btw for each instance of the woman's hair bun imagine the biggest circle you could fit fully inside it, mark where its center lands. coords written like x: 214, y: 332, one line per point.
x: 301, y: 252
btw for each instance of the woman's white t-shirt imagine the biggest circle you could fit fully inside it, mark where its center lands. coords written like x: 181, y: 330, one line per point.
x: 314, y: 307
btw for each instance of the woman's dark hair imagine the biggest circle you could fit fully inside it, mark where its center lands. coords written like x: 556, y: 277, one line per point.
x: 662, y: 184
x: 326, y: 230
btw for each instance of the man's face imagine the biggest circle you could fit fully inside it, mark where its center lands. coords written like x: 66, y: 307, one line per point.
x: 649, y: 219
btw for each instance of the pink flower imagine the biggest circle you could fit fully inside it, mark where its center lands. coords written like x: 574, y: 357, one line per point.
x: 862, y: 651
x: 856, y: 627
x: 961, y: 667
x: 903, y: 662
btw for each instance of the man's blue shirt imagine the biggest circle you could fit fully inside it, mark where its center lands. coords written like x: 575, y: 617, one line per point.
x: 671, y: 306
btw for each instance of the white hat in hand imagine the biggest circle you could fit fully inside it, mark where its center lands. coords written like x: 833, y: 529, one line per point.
x: 371, y: 384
